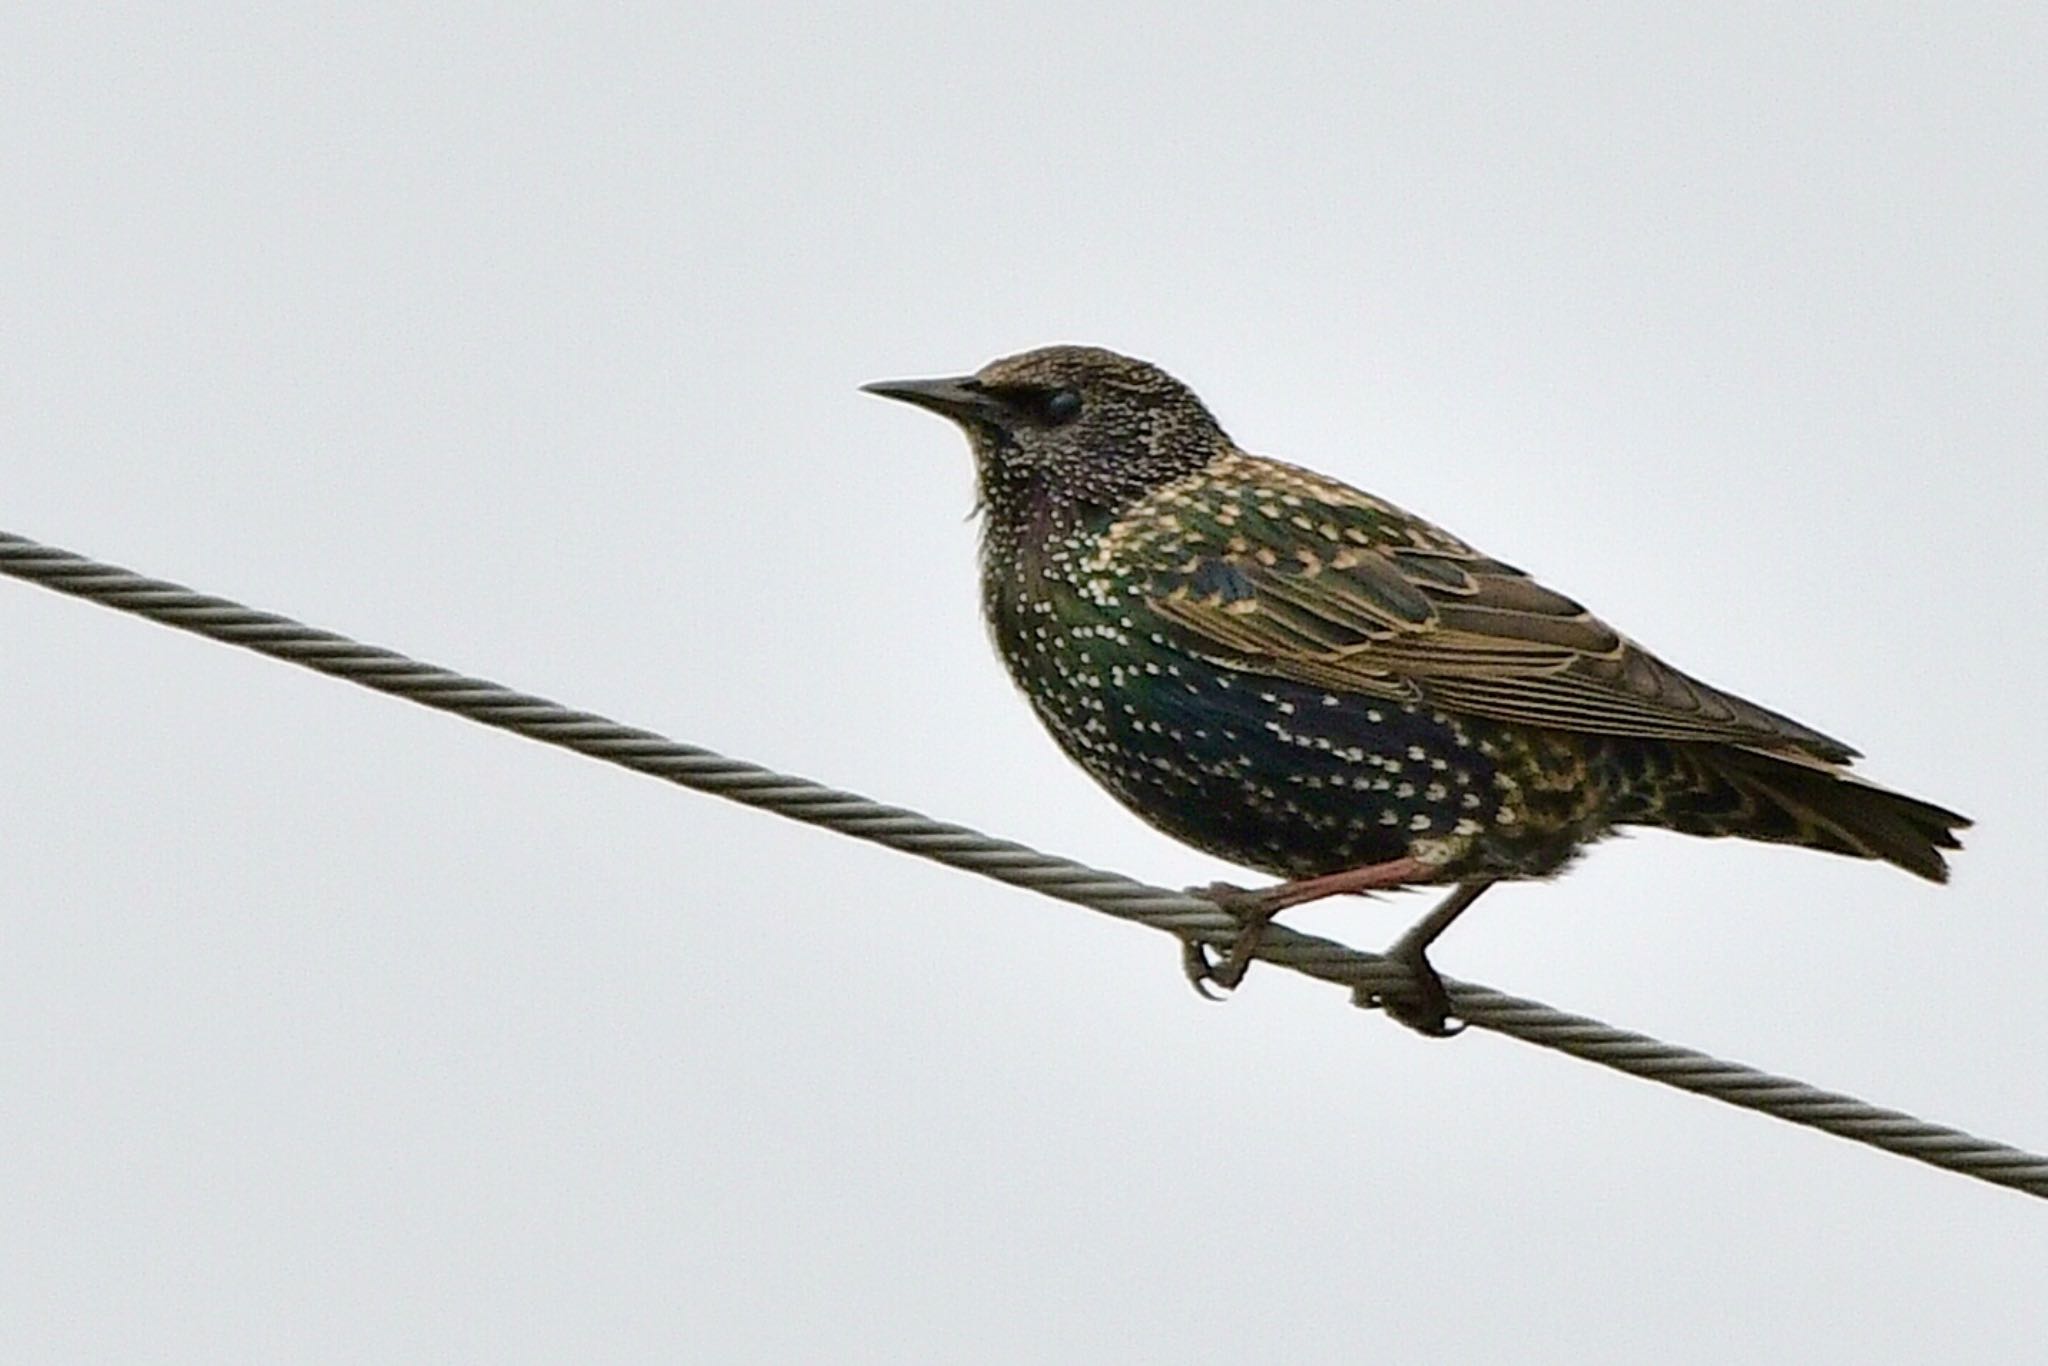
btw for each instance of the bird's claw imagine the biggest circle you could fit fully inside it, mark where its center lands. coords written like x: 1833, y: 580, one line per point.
x: 1199, y: 967
x: 1422, y: 1003
x: 1204, y: 970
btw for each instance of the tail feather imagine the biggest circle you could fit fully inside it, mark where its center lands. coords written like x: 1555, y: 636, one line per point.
x: 1823, y: 807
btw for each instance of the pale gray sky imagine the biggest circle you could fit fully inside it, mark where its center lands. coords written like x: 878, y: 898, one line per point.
x: 527, y: 341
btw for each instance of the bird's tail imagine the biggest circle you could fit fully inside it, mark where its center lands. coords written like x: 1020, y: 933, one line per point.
x: 1817, y: 805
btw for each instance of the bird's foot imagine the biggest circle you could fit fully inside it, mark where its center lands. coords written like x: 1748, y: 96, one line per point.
x: 1422, y: 1002
x: 1253, y: 910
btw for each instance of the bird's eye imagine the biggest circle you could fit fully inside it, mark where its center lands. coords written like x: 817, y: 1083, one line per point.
x: 1061, y: 406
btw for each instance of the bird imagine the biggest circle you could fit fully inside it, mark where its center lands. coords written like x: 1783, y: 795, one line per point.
x: 1299, y: 677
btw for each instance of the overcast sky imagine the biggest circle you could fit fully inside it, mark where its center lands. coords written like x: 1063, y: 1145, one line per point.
x: 528, y: 342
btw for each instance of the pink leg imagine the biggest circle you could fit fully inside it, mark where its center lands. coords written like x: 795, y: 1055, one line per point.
x: 1374, y: 877
x: 1257, y: 909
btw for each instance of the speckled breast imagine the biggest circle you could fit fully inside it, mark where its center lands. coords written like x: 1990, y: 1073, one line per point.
x: 1274, y: 775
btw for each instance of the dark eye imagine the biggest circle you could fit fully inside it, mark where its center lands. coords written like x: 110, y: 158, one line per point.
x: 1061, y: 406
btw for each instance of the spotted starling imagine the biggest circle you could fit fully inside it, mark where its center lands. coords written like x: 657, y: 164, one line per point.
x: 1299, y: 677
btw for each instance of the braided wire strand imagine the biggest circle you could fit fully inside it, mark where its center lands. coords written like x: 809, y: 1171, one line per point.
x: 1187, y: 917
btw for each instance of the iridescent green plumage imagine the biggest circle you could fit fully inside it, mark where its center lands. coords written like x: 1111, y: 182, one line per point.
x: 1302, y: 678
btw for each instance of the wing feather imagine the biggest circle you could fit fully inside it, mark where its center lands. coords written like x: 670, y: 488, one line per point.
x: 1380, y: 602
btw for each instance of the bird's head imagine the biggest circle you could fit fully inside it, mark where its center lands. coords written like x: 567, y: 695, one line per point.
x: 1070, y: 430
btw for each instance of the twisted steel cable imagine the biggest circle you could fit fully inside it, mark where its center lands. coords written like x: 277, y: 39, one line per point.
x: 1189, y: 918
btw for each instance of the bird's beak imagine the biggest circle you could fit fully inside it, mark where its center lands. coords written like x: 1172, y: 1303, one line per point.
x: 961, y: 398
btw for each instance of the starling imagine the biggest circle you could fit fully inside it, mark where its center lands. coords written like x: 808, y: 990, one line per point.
x: 1301, y: 678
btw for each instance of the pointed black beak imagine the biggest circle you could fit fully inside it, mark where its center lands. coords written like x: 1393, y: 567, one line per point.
x: 961, y: 398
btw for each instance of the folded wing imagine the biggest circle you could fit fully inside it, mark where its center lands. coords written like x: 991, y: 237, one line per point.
x: 1310, y: 580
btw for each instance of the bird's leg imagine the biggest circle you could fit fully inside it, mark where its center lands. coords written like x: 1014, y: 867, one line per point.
x: 1256, y: 909
x: 1428, y: 1010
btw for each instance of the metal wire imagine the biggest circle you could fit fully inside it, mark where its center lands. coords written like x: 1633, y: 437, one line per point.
x: 1187, y: 917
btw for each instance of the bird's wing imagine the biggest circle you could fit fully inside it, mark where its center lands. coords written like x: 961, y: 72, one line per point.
x: 1273, y: 569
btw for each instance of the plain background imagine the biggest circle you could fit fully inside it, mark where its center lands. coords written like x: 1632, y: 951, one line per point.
x: 526, y: 340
